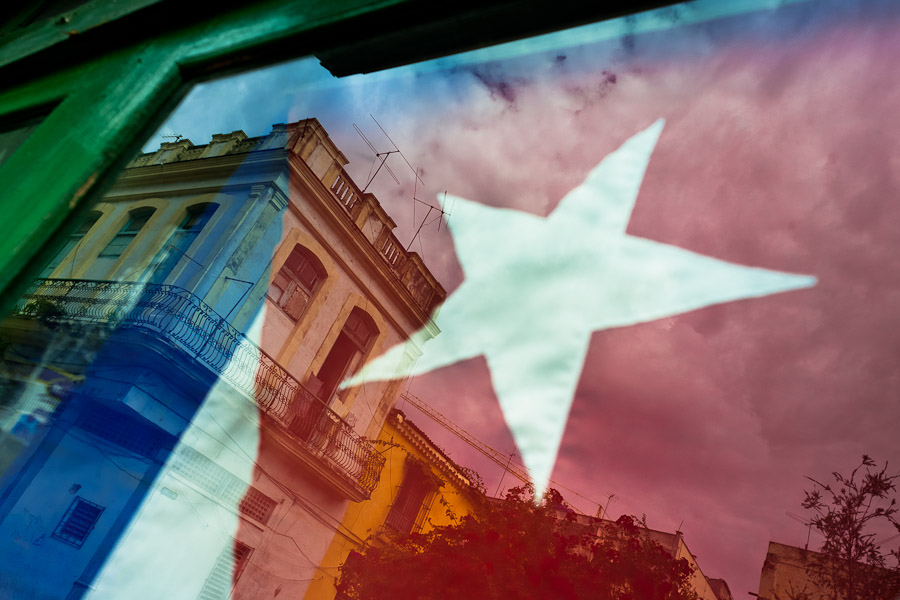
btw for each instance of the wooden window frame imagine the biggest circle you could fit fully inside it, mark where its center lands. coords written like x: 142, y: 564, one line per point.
x: 293, y: 283
x: 112, y: 72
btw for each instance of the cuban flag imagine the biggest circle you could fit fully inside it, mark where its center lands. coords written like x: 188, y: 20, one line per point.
x: 669, y: 244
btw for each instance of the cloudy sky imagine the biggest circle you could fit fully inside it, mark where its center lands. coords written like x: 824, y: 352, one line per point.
x: 780, y: 151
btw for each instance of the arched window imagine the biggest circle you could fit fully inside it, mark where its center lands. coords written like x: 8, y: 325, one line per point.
x: 348, y: 352
x: 195, y: 219
x: 136, y: 221
x: 74, y: 240
x: 296, y: 282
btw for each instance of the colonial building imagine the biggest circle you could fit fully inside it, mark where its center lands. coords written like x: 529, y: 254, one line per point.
x: 420, y: 488
x: 791, y: 573
x: 786, y: 574
x: 720, y: 588
x: 171, y: 389
x: 674, y: 544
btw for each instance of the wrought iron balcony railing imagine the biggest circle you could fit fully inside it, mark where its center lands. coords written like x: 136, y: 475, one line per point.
x: 191, y: 324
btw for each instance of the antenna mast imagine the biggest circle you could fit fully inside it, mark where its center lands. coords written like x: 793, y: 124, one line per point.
x: 417, y: 179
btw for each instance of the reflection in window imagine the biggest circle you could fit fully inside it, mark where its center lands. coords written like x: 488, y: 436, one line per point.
x: 10, y: 390
x: 136, y: 221
x: 10, y: 140
x: 410, y: 499
x: 347, y: 354
x: 226, y: 571
x: 195, y: 219
x: 294, y: 285
x: 78, y: 522
x: 72, y: 243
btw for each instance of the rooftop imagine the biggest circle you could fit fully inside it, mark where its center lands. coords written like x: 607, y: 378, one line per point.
x: 324, y: 164
x: 423, y: 443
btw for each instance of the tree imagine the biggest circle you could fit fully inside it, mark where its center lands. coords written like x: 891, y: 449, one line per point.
x: 514, y: 548
x: 852, y: 565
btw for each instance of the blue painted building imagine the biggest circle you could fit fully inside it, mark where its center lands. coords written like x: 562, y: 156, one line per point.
x: 171, y: 420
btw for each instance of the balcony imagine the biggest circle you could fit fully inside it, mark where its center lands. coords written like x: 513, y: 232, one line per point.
x: 313, y: 431
x: 310, y: 144
x: 367, y: 214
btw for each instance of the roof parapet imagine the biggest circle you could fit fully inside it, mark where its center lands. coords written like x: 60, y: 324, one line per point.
x: 309, y: 141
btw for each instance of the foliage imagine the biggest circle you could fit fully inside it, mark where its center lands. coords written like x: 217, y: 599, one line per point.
x: 852, y: 565
x: 43, y: 309
x: 516, y: 549
x: 475, y: 480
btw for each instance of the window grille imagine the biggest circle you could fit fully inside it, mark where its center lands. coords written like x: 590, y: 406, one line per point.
x: 220, y: 483
x: 78, y: 522
x: 257, y: 505
x: 225, y: 573
x: 410, y: 498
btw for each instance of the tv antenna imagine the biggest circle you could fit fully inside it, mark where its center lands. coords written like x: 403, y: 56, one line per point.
x: 417, y: 179
x: 799, y: 519
x: 175, y: 137
x: 378, y: 155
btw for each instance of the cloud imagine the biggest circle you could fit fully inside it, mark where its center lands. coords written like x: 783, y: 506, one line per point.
x: 778, y: 153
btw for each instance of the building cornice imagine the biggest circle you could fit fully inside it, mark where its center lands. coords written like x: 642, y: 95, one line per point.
x: 345, y: 224
x: 421, y: 442
x: 282, y: 161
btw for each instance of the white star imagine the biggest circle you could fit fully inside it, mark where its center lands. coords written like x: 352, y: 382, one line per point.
x: 535, y: 288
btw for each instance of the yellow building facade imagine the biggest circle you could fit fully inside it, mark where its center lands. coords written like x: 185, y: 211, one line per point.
x: 420, y: 488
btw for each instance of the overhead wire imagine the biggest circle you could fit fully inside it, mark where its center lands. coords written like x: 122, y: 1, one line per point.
x: 305, y: 503
x: 501, y: 458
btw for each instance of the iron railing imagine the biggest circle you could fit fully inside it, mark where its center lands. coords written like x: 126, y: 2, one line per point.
x: 191, y: 324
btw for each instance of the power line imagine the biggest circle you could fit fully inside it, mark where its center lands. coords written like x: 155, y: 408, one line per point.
x: 417, y: 179
x: 501, y: 458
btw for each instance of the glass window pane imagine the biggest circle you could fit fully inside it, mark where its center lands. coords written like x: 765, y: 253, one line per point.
x: 647, y: 262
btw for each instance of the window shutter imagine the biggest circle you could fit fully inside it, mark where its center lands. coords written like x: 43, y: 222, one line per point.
x: 296, y: 302
x: 410, y: 498
x: 227, y: 570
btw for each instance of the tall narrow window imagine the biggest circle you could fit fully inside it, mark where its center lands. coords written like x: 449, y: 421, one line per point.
x: 72, y: 243
x: 136, y: 221
x: 348, y: 353
x: 411, y: 496
x: 293, y: 286
x: 195, y: 219
x: 226, y: 572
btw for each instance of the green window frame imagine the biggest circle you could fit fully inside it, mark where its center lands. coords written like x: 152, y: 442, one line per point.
x: 113, y: 71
